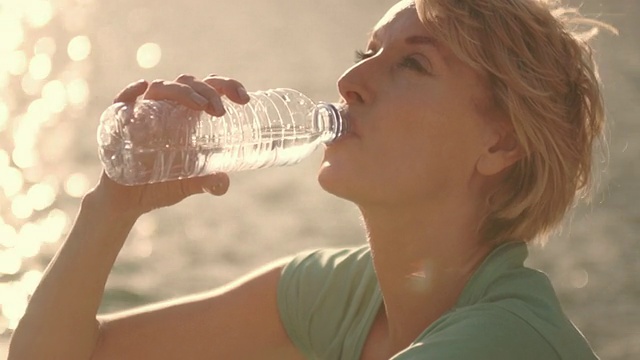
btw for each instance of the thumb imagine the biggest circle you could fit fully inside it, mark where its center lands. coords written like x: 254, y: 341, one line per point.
x: 216, y: 184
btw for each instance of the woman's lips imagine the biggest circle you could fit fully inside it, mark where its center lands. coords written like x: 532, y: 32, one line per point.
x: 348, y: 121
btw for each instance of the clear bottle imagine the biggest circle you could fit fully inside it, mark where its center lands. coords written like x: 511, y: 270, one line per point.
x: 152, y: 141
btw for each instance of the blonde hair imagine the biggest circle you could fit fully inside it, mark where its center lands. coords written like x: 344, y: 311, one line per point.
x: 543, y: 78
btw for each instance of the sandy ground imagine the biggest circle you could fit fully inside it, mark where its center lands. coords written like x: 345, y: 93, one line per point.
x: 267, y: 214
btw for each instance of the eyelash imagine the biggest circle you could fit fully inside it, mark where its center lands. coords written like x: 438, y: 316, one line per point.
x: 407, y: 62
x: 361, y: 56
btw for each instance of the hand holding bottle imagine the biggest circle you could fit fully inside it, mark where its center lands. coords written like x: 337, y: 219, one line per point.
x: 187, y: 91
x: 150, y: 140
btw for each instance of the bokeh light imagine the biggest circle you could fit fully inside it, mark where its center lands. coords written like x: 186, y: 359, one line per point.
x: 11, y: 181
x: 14, y: 303
x: 149, y: 55
x: 77, y: 92
x: 8, y: 235
x: 29, y: 240
x: 40, y: 66
x: 79, y: 48
x: 39, y: 86
x: 16, y: 62
x: 76, y: 185
x: 10, y: 261
x: 38, y: 13
x: 4, y: 160
x: 21, y: 207
x: 11, y: 33
x: 30, y: 86
x: 41, y: 196
x: 54, y: 95
x: 4, y: 116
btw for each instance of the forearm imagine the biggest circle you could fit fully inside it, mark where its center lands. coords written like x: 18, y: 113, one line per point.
x: 60, y: 321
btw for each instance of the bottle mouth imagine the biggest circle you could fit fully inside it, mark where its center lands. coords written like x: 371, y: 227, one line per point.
x: 328, y: 119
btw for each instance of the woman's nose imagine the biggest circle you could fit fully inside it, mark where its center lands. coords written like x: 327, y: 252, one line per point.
x: 354, y: 84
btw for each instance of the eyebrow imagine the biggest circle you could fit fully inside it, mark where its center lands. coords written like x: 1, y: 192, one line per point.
x: 421, y: 40
x: 431, y: 42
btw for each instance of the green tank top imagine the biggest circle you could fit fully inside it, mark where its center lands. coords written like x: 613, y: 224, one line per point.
x: 329, y: 298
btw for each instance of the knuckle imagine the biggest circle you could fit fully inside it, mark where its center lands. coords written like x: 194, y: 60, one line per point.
x: 155, y: 84
x: 184, y: 78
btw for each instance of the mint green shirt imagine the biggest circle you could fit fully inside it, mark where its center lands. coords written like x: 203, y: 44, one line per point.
x: 329, y: 298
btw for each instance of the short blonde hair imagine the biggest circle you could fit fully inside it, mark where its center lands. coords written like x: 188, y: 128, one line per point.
x: 544, y: 79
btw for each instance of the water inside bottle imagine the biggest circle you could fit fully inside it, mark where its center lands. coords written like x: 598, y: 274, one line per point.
x: 139, y: 166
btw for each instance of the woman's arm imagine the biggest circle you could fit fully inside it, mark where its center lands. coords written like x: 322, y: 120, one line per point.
x: 60, y: 321
x: 238, y: 321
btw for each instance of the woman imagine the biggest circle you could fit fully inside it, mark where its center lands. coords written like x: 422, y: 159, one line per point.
x: 471, y: 129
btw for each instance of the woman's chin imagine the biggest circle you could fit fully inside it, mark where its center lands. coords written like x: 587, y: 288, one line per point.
x: 332, y: 179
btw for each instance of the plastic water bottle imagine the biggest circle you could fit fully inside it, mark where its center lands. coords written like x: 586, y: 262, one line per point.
x: 152, y: 141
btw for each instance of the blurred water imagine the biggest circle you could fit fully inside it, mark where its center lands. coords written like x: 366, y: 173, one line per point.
x: 62, y: 61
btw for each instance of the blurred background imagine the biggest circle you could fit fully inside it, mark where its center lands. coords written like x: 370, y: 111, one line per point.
x: 62, y: 62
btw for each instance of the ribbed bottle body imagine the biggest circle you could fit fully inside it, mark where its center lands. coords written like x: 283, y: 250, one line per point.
x: 153, y: 141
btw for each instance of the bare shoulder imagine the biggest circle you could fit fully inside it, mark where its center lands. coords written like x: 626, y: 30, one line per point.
x: 237, y: 321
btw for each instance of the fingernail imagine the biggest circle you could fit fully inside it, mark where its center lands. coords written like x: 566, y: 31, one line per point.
x: 219, y: 107
x: 243, y: 93
x: 198, y: 99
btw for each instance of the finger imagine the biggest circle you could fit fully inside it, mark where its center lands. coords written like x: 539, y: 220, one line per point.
x: 180, y: 93
x: 233, y: 89
x: 216, y: 184
x: 131, y: 92
x: 215, y: 106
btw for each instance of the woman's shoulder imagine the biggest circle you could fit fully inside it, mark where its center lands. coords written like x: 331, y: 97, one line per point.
x: 506, y: 311
x: 324, y: 296
x: 331, y: 259
x: 314, y: 271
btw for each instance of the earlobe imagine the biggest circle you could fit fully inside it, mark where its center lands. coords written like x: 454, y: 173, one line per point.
x: 502, y: 154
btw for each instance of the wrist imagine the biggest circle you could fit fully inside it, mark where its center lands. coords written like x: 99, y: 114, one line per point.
x: 108, y: 207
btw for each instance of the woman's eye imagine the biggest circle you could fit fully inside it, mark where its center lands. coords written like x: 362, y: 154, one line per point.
x: 361, y: 55
x: 411, y: 63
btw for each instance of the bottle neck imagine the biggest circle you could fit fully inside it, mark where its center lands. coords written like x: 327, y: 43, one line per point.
x: 327, y: 117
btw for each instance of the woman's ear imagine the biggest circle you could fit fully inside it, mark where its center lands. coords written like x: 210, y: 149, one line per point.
x: 502, y: 149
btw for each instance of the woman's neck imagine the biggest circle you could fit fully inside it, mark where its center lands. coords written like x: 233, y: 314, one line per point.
x: 423, y: 259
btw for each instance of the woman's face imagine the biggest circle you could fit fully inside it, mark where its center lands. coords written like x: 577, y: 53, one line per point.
x: 415, y: 115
